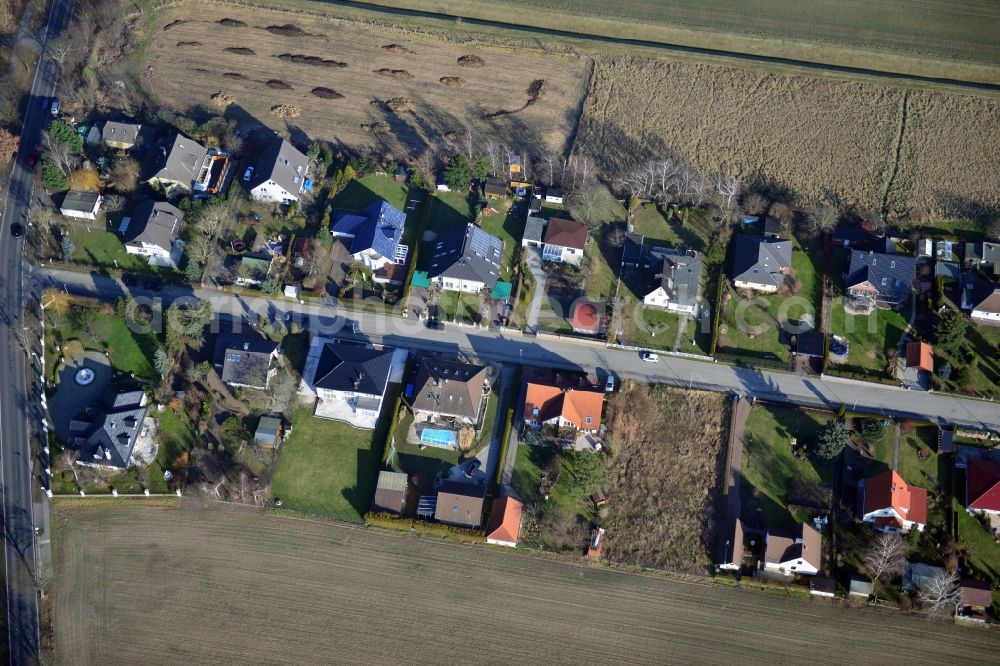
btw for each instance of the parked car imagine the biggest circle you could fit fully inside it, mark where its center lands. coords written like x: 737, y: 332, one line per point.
x: 54, y: 109
x: 17, y: 230
x: 609, y: 386
x: 435, y: 324
x: 32, y: 159
x: 248, y: 173
x: 650, y: 357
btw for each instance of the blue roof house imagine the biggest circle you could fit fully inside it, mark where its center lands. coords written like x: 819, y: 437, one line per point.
x: 373, y: 234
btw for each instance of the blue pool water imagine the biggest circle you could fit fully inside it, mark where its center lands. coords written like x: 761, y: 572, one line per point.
x: 438, y: 437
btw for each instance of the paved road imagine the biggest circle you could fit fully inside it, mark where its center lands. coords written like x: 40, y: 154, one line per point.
x: 18, y: 404
x: 391, y: 330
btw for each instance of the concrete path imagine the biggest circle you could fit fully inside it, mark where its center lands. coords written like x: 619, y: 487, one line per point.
x: 508, y: 464
x: 534, y: 262
x: 680, y: 332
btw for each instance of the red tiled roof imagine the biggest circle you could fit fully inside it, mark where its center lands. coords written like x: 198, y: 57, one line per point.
x: 983, y: 485
x: 976, y: 594
x: 586, y: 317
x: 566, y: 233
x: 505, y: 520
x: 920, y: 355
x: 574, y: 405
x: 888, y: 489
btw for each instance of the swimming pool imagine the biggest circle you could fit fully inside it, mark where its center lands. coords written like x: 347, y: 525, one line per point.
x: 435, y: 437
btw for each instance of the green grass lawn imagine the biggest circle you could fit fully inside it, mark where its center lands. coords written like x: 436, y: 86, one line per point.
x: 452, y: 303
x: 984, y: 552
x: 750, y: 331
x: 869, y: 336
x: 982, y: 342
x: 507, y: 224
x: 602, y: 276
x: 768, y: 463
x: 329, y: 467
x: 918, y: 459
x: 128, y: 352
x: 365, y: 191
x: 101, y: 248
x: 650, y: 327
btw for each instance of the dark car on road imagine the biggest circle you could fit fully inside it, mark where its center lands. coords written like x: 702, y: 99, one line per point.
x: 32, y: 159
x: 17, y: 230
x: 435, y: 324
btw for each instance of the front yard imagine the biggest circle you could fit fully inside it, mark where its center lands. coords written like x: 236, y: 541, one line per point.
x: 95, y: 246
x: 871, y: 338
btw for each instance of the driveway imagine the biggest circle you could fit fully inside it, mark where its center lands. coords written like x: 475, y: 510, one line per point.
x: 534, y: 262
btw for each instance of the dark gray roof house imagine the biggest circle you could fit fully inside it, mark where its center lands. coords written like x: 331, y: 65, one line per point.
x: 761, y: 263
x: 106, y: 431
x: 177, y: 161
x: 679, y: 278
x: 245, y: 359
x: 152, y: 223
x: 460, y: 504
x: 390, y: 493
x: 124, y: 135
x: 985, y: 254
x: 280, y: 173
x: 449, y: 389
x: 348, y: 368
x: 887, y: 279
x: 466, y: 255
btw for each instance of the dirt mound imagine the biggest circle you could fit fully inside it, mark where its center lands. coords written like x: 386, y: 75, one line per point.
x: 393, y: 73
x: 452, y: 81
x: 326, y: 93
x: 234, y: 75
x: 472, y: 61
x: 232, y: 23
x: 188, y: 43
x: 534, y: 93
x: 241, y: 50
x: 398, y: 49
x: 222, y: 99
x: 377, y: 127
x: 399, y: 104
x: 300, y: 59
x: 278, y: 84
x: 285, y: 111
x: 173, y: 23
x: 287, y: 30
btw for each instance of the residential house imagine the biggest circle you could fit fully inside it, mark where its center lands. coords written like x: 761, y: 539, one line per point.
x: 153, y: 231
x: 917, y: 575
x: 504, y: 525
x: 246, y: 360
x: 676, y: 287
x: 760, y: 263
x: 632, y: 250
x: 879, y: 280
x: 449, y: 390
x: 554, y: 195
x: 124, y: 136
x: 984, y: 255
x: 730, y: 556
x: 564, y: 241
x: 268, y: 432
x: 891, y: 504
x: 534, y: 232
x: 280, y: 175
x: 822, y: 587
x: 374, y: 234
x: 494, y: 187
x: 180, y: 164
x: 390, y: 493
x: 798, y: 551
x: 81, y: 205
x: 976, y: 598
x: 466, y: 259
x: 587, y: 318
x: 535, y: 206
x: 351, y: 379
x: 460, y: 504
x: 850, y: 236
x: 948, y: 270
x: 105, y: 432
x: 987, y: 311
x: 860, y: 588
x: 578, y: 408
x: 982, y: 487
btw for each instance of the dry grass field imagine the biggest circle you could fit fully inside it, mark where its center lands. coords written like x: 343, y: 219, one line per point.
x: 815, y: 136
x: 150, y: 585
x: 359, y: 84
x: 668, y: 448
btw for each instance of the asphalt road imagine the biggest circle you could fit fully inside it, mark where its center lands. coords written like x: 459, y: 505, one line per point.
x: 382, y: 328
x: 18, y: 403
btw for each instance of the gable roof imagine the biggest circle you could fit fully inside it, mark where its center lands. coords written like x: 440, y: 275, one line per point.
x: 680, y: 277
x: 283, y: 164
x: 889, y: 274
x: 84, y: 202
x: 378, y: 227
x: 759, y: 260
x: 346, y: 367
x: 153, y: 223
x: 989, y: 304
x: 267, y: 429
x: 982, y: 483
x: 467, y: 253
x: 105, y: 431
x: 390, y: 492
x: 460, y: 504
x: 920, y: 355
x: 572, y: 404
x: 504, y: 523
x: 976, y: 593
x: 244, y: 358
x: 178, y: 159
x: 888, y: 490
x: 120, y: 132
x: 449, y: 387
x: 534, y: 229
x: 803, y: 542
x: 566, y: 233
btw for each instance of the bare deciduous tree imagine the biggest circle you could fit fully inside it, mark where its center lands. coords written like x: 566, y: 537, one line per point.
x: 59, y: 154
x: 885, y: 557
x: 585, y: 205
x: 494, y: 155
x: 755, y: 204
x: 8, y: 145
x: 822, y: 218
x: 201, y: 249
x: 468, y: 145
x: 940, y: 594
x: 727, y: 187
x: 548, y: 167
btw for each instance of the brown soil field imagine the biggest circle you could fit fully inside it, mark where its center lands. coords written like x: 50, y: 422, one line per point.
x: 152, y: 585
x: 668, y: 450
x: 816, y: 136
x: 361, y: 62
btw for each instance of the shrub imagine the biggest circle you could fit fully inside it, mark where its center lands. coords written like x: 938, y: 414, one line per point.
x: 832, y: 440
x: 944, y: 372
